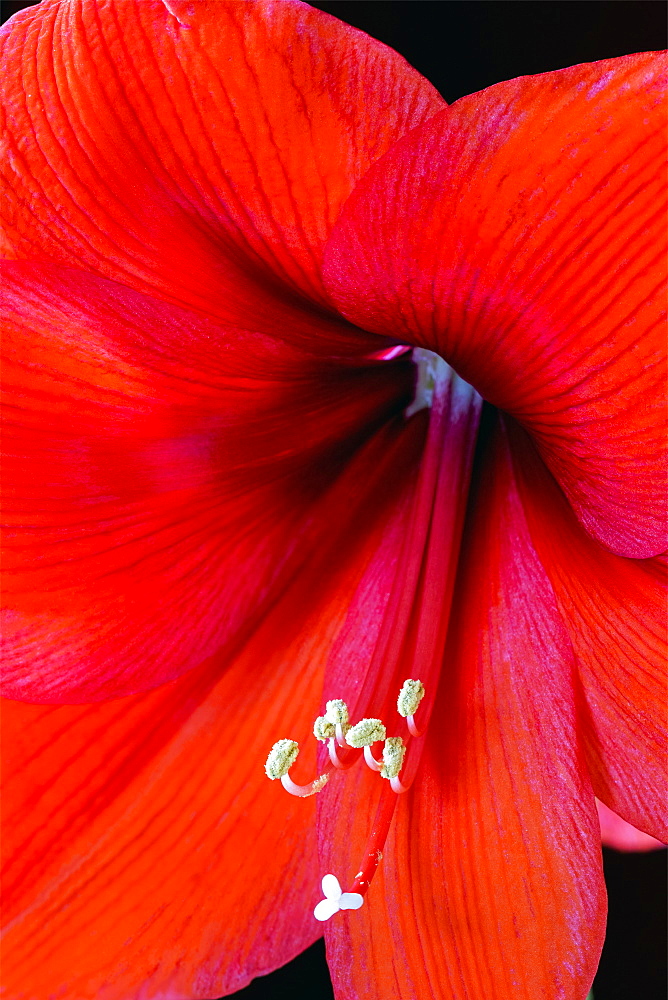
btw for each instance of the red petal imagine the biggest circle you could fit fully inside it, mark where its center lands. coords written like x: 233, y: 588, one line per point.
x: 406, y: 594
x: 165, y: 478
x: 521, y: 234
x: 491, y: 883
x: 147, y: 855
x: 615, y: 612
x: 617, y: 833
x: 182, y: 152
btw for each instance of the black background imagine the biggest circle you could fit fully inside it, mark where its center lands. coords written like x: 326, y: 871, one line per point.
x: 462, y: 46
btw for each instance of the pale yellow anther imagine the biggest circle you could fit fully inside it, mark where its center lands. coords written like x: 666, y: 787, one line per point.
x: 323, y: 729
x: 281, y: 758
x: 410, y: 697
x: 365, y: 733
x: 336, y: 711
x: 393, y: 757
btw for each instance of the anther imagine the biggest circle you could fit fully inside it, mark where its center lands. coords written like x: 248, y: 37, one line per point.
x: 336, y: 712
x: 366, y: 732
x: 281, y: 758
x: 410, y: 696
x: 323, y: 729
x: 393, y: 757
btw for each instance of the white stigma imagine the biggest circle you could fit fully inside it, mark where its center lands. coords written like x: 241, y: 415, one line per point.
x: 281, y: 758
x: 410, y: 696
x: 335, y: 899
x: 393, y: 757
x: 365, y: 733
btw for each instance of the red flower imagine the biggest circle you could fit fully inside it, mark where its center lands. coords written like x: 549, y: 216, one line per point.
x: 220, y: 218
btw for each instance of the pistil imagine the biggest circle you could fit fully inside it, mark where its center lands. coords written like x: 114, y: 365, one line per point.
x: 373, y: 853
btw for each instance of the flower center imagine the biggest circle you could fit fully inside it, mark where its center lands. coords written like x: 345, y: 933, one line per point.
x: 410, y: 642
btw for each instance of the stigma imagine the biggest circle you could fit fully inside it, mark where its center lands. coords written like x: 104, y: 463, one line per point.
x: 335, y: 899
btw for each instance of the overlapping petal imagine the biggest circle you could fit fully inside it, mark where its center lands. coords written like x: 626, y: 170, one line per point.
x: 492, y: 872
x: 120, y: 802
x: 165, y: 479
x: 614, y: 610
x: 146, y: 854
x: 184, y: 148
x: 521, y: 234
x: 617, y: 833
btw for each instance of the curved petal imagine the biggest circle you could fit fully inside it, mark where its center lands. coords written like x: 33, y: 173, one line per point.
x: 614, y: 610
x: 141, y: 839
x: 180, y: 149
x: 617, y: 833
x: 521, y: 234
x: 164, y: 478
x: 147, y: 855
x: 490, y: 884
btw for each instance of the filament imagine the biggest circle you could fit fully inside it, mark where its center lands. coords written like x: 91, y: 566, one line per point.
x: 374, y: 764
x: 412, y: 728
x: 303, y: 791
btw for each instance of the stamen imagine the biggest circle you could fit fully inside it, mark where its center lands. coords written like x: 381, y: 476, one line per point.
x: 393, y: 757
x: 410, y: 696
x: 281, y: 758
x: 365, y: 733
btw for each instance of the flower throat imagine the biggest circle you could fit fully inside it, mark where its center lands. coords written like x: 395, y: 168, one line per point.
x: 411, y: 639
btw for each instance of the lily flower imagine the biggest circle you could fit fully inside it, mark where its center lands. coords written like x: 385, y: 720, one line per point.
x: 315, y: 386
